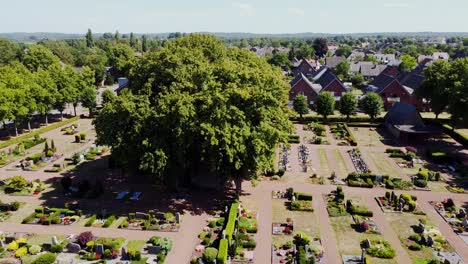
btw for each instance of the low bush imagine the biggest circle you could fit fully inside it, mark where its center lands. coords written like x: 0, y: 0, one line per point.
x: 358, y: 210
x: 47, y: 258
x: 34, y: 249
x: 77, y: 138
x: 21, y: 252
x: 381, y: 249
x: 12, y: 246
x: 420, y: 183
x: 109, y: 221
x: 231, y: 221
x: 353, y: 183
x: 56, y: 248
x: 210, y: 255
x: 83, y: 136
x: 415, y: 247
x: 303, y: 196
x: 301, y: 206
x: 415, y: 237
x: 91, y: 220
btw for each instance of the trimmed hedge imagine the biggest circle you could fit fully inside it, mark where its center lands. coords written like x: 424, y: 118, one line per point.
x: 91, y: 221
x: 351, y: 139
x: 337, y: 119
x: 231, y: 224
x: 303, y: 196
x: 38, y: 132
x: 357, y: 210
x: 222, y: 252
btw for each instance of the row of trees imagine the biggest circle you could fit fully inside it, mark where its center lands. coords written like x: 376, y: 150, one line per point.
x: 446, y: 88
x: 40, y: 84
x: 325, y: 105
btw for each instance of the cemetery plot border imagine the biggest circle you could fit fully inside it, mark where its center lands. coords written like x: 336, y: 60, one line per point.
x: 457, y: 219
x: 156, y: 221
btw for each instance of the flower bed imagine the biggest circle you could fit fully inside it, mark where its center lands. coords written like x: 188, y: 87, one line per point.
x: 164, y: 222
x: 365, y: 225
x: 53, y: 216
x: 302, y: 248
x: 211, y: 233
x: 342, y: 132
x: 335, y: 203
x: 6, y: 210
x: 359, y: 164
x: 456, y: 218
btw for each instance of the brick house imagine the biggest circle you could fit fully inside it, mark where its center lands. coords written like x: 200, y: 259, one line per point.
x: 324, y: 81
x: 307, y: 67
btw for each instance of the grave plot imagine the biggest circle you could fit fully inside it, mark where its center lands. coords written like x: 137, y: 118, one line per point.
x: 353, y: 224
x: 156, y: 221
x: 369, y: 180
x: 422, y: 240
x: 7, y: 157
x: 284, y: 163
x: 359, y: 164
x: 343, y: 134
x: 53, y: 216
x: 301, y: 248
x: 232, y: 242
x: 19, y: 186
x: 7, y: 209
x: 304, y: 158
x: 209, y: 237
x: 455, y: 216
x: 41, y: 159
x: 101, y: 221
x: 318, y: 136
x: 392, y: 203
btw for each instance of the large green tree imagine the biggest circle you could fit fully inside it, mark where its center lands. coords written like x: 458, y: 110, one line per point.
x: 372, y: 105
x: 436, y: 86
x: 458, y: 92
x: 321, y: 47
x: 348, y: 105
x: 407, y: 63
x: 197, y: 108
x: 38, y: 56
x: 342, y: 69
x: 325, y: 104
x: 300, y: 105
x: 9, y: 51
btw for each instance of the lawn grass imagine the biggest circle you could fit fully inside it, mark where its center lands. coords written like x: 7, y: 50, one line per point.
x: 306, y: 222
x: 324, y: 165
x: 341, y: 164
x: 383, y: 165
x: 366, y: 136
x: 41, y: 239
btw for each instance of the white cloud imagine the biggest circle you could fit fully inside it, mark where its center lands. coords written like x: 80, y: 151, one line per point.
x: 246, y: 10
x: 292, y: 11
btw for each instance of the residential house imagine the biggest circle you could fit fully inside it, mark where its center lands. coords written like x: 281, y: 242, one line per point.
x: 307, y: 67
x: 357, y: 56
x: 393, y: 91
x: 367, y: 69
x: 332, y: 62
x: 324, y: 81
x: 435, y: 56
x: 385, y: 58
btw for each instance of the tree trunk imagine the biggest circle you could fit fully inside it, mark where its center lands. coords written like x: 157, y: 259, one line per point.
x: 16, y: 130
x: 74, y: 108
x: 46, y: 119
x: 90, y: 112
x: 29, y: 126
x: 238, y: 183
x: 61, y: 115
x: 437, y: 116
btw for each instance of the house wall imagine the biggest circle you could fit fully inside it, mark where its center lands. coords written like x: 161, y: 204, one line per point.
x: 395, y: 88
x: 336, y: 88
x: 304, y: 88
x: 305, y: 69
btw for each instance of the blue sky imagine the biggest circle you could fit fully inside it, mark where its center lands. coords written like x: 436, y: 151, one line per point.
x: 257, y: 16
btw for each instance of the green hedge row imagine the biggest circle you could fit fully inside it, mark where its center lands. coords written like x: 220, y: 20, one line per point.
x: 222, y: 252
x: 231, y: 224
x: 17, y: 140
x: 303, y: 196
x: 352, y: 140
x: 358, y: 210
x: 337, y: 119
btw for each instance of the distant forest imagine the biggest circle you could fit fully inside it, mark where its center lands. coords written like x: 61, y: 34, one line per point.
x: 38, y: 36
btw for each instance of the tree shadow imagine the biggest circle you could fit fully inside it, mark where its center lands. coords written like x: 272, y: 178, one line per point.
x: 194, y: 201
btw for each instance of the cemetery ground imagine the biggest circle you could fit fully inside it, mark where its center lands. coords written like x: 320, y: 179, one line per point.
x: 336, y: 233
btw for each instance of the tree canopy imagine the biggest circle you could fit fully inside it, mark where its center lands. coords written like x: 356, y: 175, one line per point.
x: 348, y: 104
x: 325, y: 104
x: 195, y: 108
x: 372, y: 105
x: 300, y: 105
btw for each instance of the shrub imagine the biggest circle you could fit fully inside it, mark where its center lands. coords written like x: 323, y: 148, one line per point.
x: 212, y: 223
x: 47, y: 258
x: 358, y: 210
x: 423, y: 174
x: 21, y: 252
x: 13, y: 246
x: 91, y: 220
x: 420, y: 183
x: 415, y: 237
x: 56, y: 248
x: 411, y: 206
x: 381, y: 249
x: 301, y: 206
x: 210, y: 254
x: 85, y: 237
x: 77, y: 138
x: 223, y: 252
x: 415, y: 247
x: 83, y: 136
x: 280, y: 172
x: 34, y: 249
x: 109, y: 221
x: 28, y: 219
x: 14, y: 206
x: 231, y: 220
x: 249, y: 244
x: 275, y: 178
x: 303, y: 196
x: 206, y: 241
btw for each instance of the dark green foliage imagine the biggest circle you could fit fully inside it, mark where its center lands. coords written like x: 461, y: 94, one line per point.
x: 47, y: 258
x: 56, y: 248
x: 358, y: 210
x: 209, y: 255
x: 91, y: 220
x: 109, y: 221
x: 223, y: 252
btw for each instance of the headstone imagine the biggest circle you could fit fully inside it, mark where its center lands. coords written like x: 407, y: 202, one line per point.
x: 367, y: 243
x: 400, y: 208
x: 465, y: 223
x: 421, y: 228
x: 140, y: 215
x: 223, y: 234
x: 2, y: 245
x: 462, y: 213
x: 177, y: 217
x: 363, y: 255
x: 159, y: 215
x: 153, y: 250
x: 9, y: 239
x: 99, y: 249
x: 73, y: 247
x: 4, y: 207
x: 2, y: 182
x: 429, y: 241
x: 46, y: 210
x: 54, y: 240
x: 46, y: 246
x: 124, y: 253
